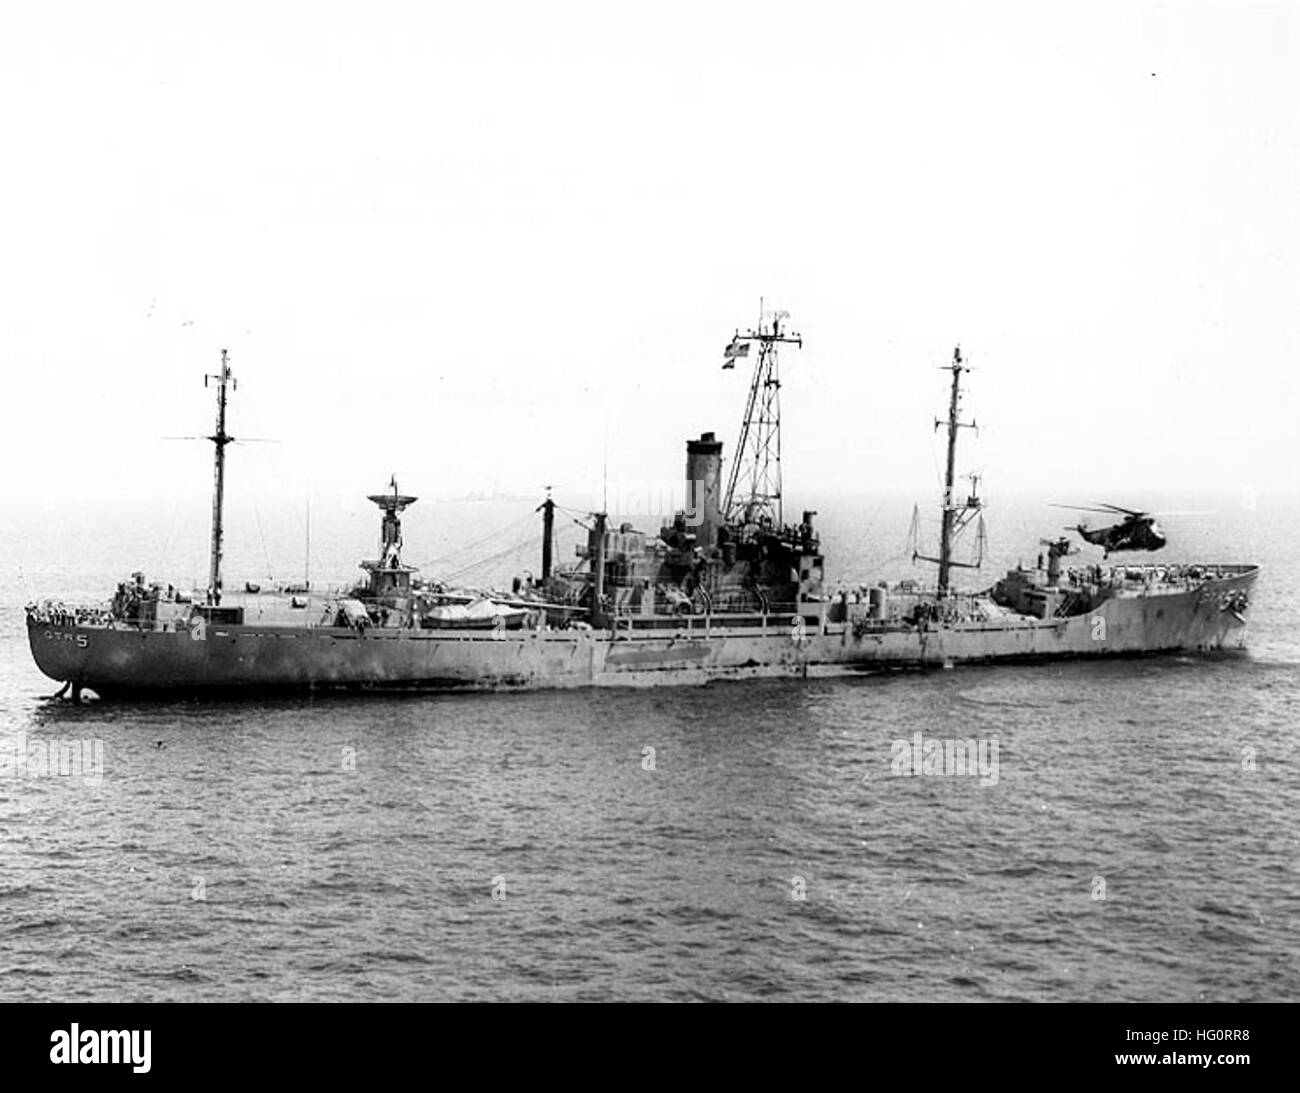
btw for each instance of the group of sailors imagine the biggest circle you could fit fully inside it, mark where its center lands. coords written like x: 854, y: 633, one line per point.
x: 131, y: 595
x: 57, y: 614
x: 126, y: 605
x: 1144, y: 574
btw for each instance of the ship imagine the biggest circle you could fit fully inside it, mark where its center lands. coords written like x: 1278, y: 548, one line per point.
x: 727, y: 589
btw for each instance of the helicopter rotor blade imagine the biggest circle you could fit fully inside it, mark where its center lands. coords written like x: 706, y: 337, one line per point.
x: 1087, y: 508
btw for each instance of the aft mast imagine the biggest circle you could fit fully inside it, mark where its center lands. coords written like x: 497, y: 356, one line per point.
x: 955, y: 515
x: 225, y: 379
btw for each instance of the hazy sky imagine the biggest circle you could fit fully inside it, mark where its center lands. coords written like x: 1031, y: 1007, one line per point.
x: 499, y: 246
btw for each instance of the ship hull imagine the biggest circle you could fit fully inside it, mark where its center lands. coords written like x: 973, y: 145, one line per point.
x: 236, y: 658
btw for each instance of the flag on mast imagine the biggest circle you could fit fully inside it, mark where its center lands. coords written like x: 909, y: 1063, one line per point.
x: 734, y: 350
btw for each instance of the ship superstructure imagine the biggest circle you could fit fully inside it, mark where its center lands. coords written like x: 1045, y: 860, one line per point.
x: 728, y: 554
x: 725, y: 589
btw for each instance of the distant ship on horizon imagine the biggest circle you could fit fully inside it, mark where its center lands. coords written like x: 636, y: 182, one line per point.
x: 727, y: 590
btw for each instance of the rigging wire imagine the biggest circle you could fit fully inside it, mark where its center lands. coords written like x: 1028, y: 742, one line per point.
x: 266, y: 555
x: 578, y: 515
x: 527, y: 544
x: 496, y: 534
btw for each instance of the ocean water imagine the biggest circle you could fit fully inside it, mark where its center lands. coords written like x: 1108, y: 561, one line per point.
x: 1141, y: 841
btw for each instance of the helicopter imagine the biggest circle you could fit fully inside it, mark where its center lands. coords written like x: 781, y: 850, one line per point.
x: 1136, y: 531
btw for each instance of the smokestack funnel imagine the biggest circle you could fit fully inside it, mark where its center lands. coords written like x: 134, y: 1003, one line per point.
x: 704, y: 488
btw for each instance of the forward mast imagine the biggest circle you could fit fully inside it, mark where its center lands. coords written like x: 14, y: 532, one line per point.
x: 225, y: 380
